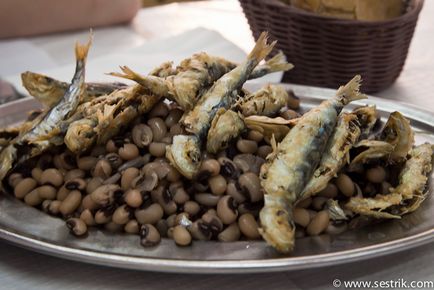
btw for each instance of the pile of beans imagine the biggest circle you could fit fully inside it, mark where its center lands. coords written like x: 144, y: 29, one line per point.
x: 129, y: 186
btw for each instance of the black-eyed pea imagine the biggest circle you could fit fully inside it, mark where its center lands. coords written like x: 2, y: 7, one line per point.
x: 128, y: 176
x: 32, y: 198
x: 110, y: 147
x: 149, y: 235
x: 113, y: 179
x: 70, y: 203
x: 73, y: 174
x: 319, y: 202
x: 87, y: 216
x: 248, y: 226
x: 301, y: 217
x: 14, y: 179
x: 191, y: 207
x: 54, y: 206
x: 52, y: 176
x: 233, y: 190
x: 122, y: 215
x: 173, y: 117
x: 24, y: 186
x: 149, y: 215
x: 264, y: 151
x: 158, y: 127
x: 376, y: 174
x: 181, y: 236
x: 289, y: 114
x: 330, y: 191
x: 132, y: 227
x: 129, y: 151
x: 86, y: 163
x: 105, y: 194
x: 114, y: 159
x: 345, y: 185
x: 181, y: 196
x: 319, y: 223
x: 173, y: 175
x: 102, y: 217
x: 247, y: 146
x: 255, y: 136
x: 159, y: 110
x: 93, y: 184
x: 232, y: 233
x: 209, y: 167
x: 212, y: 222
x: 207, y: 199
x: 228, y: 168
x: 37, y: 173
x: 76, y: 184
x: 171, y: 220
x: 76, y: 226
x: 88, y: 203
x: 133, y: 198
x: 157, y: 149
x: 217, y: 184
x: 47, y: 192
x: 176, y: 129
x: 102, y: 169
x: 67, y: 161
x: 304, y: 203
x: 251, y: 184
x: 227, y: 210
x: 142, y: 135
x: 200, y: 231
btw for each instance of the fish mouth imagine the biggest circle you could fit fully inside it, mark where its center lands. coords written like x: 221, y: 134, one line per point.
x: 185, y: 154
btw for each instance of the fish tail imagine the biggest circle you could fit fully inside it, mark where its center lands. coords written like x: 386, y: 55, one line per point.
x: 127, y: 73
x: 262, y: 48
x: 279, y: 63
x: 351, y: 91
x: 81, y: 50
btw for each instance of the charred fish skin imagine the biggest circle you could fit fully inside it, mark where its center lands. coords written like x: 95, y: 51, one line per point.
x: 221, y: 95
x: 336, y: 154
x: 410, y: 190
x: 285, y: 176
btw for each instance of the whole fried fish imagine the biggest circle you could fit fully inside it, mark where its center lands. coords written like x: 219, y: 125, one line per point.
x: 286, y: 174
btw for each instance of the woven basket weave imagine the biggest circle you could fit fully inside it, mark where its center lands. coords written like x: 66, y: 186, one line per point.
x: 327, y: 51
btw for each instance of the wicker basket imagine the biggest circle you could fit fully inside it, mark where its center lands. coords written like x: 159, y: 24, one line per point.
x: 328, y: 51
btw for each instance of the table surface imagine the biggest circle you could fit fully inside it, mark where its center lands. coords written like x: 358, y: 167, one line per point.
x: 21, y: 269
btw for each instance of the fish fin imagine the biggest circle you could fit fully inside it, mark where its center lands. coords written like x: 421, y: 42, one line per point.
x: 82, y: 50
x: 279, y: 63
x: 261, y: 49
x: 351, y: 91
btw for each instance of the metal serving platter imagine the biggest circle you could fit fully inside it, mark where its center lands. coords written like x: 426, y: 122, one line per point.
x: 32, y: 229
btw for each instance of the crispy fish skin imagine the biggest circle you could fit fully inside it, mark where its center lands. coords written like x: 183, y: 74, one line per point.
x: 195, y: 75
x: 368, y: 117
x: 221, y: 95
x: 48, y: 91
x: 411, y: 188
x: 265, y: 102
x: 285, y: 176
x: 225, y: 126
x: 104, y: 117
x: 336, y: 154
x: 46, y: 126
x: 398, y: 133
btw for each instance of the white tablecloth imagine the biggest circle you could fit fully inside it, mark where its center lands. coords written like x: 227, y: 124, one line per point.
x: 22, y: 269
